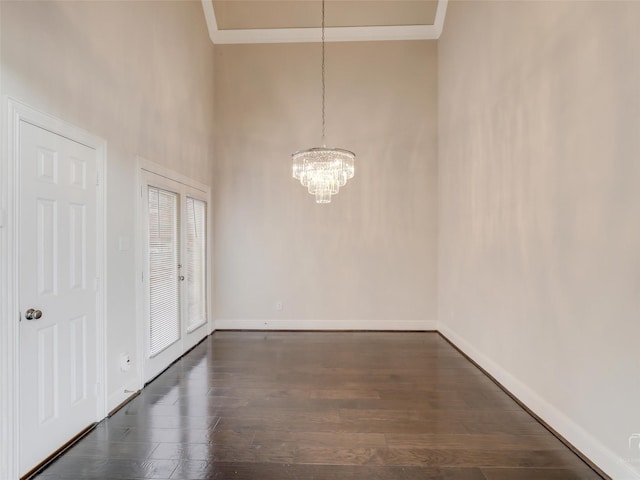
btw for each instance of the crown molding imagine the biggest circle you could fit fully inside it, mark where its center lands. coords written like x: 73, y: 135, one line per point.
x: 332, y: 34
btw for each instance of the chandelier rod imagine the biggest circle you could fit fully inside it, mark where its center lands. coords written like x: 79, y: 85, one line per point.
x: 323, y: 81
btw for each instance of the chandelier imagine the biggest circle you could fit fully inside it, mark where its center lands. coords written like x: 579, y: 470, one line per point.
x: 323, y: 170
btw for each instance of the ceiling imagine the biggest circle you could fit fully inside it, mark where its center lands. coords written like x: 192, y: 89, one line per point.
x: 286, y: 21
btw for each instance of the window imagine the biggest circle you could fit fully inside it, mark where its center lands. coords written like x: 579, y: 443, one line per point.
x: 196, y: 263
x: 164, y: 264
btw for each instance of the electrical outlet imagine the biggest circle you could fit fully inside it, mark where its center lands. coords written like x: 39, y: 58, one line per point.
x: 279, y: 306
x: 125, y: 362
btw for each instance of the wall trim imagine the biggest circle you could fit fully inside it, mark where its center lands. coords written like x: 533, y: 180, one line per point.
x: 333, y: 34
x: 8, y: 304
x: 123, y: 395
x: 14, y: 113
x: 333, y: 325
x: 587, y: 445
x: 171, y: 175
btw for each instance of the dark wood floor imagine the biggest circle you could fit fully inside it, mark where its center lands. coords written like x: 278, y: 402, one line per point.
x: 321, y: 406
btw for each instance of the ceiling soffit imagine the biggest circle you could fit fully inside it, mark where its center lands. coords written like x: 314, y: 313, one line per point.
x: 251, y: 21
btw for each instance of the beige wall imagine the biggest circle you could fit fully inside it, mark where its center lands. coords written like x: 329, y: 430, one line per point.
x: 366, y: 260
x: 537, y: 195
x: 137, y: 74
x: 539, y: 238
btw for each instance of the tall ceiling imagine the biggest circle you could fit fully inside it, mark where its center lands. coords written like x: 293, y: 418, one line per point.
x: 269, y: 21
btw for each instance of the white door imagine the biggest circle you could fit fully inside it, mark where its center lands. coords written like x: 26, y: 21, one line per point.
x: 58, y: 360
x: 175, y: 271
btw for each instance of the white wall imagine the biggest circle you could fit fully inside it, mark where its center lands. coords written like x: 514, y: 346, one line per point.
x: 368, y: 259
x: 140, y: 76
x: 539, y: 196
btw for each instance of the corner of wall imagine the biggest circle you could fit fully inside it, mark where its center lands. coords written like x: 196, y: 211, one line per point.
x: 573, y: 433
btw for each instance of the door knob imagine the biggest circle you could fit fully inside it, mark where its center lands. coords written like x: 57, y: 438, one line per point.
x: 32, y: 314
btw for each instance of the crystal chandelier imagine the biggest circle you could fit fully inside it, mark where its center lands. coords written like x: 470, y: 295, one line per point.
x: 323, y: 170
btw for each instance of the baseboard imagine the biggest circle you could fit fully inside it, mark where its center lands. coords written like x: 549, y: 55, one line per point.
x: 262, y: 324
x: 588, y: 446
x: 122, y: 394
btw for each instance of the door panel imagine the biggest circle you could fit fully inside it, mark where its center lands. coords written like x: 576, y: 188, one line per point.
x: 47, y: 253
x: 78, y: 351
x: 77, y: 242
x: 48, y: 374
x: 58, y: 363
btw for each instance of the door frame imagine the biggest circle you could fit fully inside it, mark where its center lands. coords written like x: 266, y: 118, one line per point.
x: 16, y: 112
x: 145, y: 169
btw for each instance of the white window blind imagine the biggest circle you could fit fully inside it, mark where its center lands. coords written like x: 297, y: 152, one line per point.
x: 196, y: 263
x: 164, y: 296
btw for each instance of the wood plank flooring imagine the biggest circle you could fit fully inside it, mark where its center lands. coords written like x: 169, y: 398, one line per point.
x: 321, y: 406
